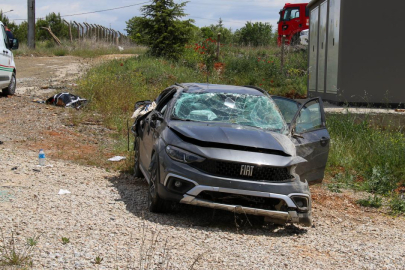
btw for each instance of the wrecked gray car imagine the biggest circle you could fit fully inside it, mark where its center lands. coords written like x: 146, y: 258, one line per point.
x: 232, y: 148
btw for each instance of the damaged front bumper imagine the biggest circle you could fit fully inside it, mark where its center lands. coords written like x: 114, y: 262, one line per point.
x: 291, y: 214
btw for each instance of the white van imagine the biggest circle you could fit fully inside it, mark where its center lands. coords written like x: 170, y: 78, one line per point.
x: 8, y: 71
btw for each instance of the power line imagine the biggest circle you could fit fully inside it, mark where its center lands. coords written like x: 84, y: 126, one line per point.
x: 97, y: 11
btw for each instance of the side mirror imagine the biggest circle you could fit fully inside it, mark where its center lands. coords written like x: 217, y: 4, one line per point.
x: 15, y: 44
x: 157, y: 116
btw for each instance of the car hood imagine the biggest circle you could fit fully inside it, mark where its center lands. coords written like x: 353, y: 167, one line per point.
x: 230, y: 136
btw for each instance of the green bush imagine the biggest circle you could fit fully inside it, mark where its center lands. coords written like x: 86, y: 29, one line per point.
x: 367, y: 152
x: 374, y: 202
x: 397, y: 204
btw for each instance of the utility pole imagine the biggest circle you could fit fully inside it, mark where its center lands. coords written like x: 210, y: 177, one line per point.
x: 31, y: 23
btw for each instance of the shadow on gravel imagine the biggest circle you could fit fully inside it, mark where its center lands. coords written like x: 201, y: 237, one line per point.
x: 133, y: 192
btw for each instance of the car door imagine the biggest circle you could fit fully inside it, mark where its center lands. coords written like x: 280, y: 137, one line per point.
x: 5, y: 58
x: 150, y: 127
x: 309, y: 134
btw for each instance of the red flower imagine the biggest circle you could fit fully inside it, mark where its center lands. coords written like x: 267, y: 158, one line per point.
x: 263, y: 79
x: 260, y: 84
x: 121, y: 64
x: 271, y: 81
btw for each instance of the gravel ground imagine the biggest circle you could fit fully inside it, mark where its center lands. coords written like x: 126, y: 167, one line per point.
x: 105, y: 216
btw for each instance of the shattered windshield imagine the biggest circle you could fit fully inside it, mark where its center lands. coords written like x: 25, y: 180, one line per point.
x: 240, y: 109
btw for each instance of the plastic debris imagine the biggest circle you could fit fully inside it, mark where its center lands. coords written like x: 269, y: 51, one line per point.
x: 66, y: 100
x: 117, y: 158
x: 63, y: 191
x: 143, y: 107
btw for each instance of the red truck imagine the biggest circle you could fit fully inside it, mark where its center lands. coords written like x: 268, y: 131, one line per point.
x: 293, y: 19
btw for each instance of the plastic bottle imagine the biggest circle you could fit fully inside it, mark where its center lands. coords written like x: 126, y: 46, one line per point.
x: 41, y: 157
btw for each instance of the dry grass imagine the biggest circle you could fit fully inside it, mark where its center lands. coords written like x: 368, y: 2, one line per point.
x: 85, y: 49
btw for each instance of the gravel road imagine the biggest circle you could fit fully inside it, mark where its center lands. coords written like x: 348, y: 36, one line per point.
x: 105, y: 215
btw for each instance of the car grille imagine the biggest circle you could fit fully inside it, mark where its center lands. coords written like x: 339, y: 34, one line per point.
x: 233, y: 170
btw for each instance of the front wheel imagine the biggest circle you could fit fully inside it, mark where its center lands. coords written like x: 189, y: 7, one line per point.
x: 155, y: 203
x: 10, y: 90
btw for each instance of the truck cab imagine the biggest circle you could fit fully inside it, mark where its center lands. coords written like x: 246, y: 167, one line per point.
x: 293, y: 19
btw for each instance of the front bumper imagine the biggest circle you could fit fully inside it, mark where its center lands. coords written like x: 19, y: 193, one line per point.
x: 201, y: 182
x: 289, y: 216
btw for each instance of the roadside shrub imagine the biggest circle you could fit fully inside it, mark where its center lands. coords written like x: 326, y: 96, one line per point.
x: 397, y: 204
x: 371, y: 157
x: 374, y: 156
x: 374, y: 202
x: 60, y: 52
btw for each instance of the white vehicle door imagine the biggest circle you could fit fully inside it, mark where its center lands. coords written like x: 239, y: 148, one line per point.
x: 5, y: 59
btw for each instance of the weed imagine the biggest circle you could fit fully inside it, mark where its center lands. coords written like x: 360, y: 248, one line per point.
x: 374, y: 201
x: 32, y: 241
x: 397, y: 204
x: 12, y: 254
x: 98, y: 260
x: 65, y: 240
x: 335, y: 187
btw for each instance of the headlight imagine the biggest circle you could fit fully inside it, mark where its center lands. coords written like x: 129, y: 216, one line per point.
x: 182, y: 155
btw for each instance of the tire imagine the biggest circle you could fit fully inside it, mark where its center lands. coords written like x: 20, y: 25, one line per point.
x: 137, y: 169
x: 155, y: 203
x: 10, y: 90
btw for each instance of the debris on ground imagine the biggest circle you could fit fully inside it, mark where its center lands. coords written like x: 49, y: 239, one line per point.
x: 66, y: 100
x: 117, y: 158
x: 64, y: 191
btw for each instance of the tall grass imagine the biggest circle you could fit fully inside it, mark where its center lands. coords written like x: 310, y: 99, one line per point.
x: 84, y: 49
x: 367, y: 157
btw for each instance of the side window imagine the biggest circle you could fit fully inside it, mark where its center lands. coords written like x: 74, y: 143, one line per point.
x: 295, y: 13
x: 291, y: 13
x: 287, y: 107
x: 310, y: 118
x: 4, y: 41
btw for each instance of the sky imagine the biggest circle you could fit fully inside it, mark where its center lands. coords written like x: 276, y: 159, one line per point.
x: 234, y: 13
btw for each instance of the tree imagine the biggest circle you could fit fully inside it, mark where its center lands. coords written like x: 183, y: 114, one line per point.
x: 137, y: 33
x: 255, y: 34
x: 161, y: 28
x: 213, y: 30
x: 21, y: 31
x: 54, y: 21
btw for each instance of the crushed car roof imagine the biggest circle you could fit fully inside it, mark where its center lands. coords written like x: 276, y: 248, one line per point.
x: 215, y: 88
